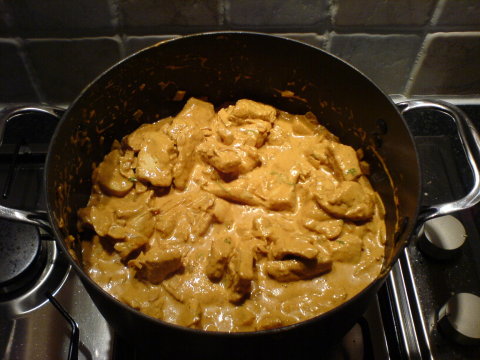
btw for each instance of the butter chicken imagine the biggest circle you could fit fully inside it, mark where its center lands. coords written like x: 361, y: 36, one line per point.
x: 244, y: 219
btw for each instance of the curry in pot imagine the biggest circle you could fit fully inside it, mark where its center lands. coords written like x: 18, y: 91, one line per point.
x: 244, y: 219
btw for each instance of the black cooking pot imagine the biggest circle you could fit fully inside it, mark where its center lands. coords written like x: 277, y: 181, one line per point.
x: 221, y: 68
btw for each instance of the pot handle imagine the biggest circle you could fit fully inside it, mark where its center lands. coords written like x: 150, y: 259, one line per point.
x: 470, y: 140
x: 37, y: 218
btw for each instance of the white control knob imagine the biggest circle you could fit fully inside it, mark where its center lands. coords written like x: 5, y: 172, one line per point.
x: 459, y: 319
x: 442, y: 237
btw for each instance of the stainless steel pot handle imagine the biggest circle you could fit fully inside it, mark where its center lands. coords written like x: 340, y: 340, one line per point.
x: 38, y: 218
x: 470, y: 140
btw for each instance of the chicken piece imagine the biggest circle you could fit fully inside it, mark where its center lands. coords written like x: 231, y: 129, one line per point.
x: 145, y: 132
x: 347, y: 248
x: 135, y: 234
x: 171, y: 217
x: 186, y: 130
x: 131, y: 205
x: 143, y: 224
x: 238, y: 191
x: 158, y: 263
x: 318, y: 154
x: 183, y: 215
x: 240, y: 272
x: 99, y: 217
x: 262, y: 228
x: 247, y: 123
x: 253, y: 133
x: 127, y: 222
x: 155, y: 160
x: 187, y: 142
x: 201, y: 207
x: 115, y: 218
x: 132, y: 243
x: 275, y: 187
x: 109, y: 176
x: 222, y: 211
x: 220, y: 250
x: 287, y: 247
x: 330, y: 228
x: 293, y: 270
x: 128, y: 162
x: 344, y: 161
x: 281, y: 197
x: 304, y: 124
x: 311, y: 210
x: 350, y: 200
x: 196, y: 113
x: 279, y: 134
x: 224, y: 158
x: 248, y: 109
x: 233, y: 160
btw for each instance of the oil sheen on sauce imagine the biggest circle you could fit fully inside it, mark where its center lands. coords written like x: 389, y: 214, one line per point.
x: 244, y: 219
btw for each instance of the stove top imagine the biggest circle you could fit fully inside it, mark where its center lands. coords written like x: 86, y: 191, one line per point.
x: 400, y: 324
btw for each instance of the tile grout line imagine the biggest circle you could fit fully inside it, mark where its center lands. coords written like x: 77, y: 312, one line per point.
x: 22, y: 52
x: 116, y: 19
x: 32, y: 74
x: 332, y: 10
x: 221, y: 12
x: 417, y: 64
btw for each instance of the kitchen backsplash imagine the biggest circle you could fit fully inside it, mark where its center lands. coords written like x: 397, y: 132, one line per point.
x: 50, y: 49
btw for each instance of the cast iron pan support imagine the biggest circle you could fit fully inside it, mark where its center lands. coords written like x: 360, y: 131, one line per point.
x: 38, y: 218
x: 470, y: 140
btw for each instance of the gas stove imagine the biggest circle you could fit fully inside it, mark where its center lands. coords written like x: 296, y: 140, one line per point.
x: 45, y: 312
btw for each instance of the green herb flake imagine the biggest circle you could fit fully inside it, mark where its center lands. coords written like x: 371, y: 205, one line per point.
x: 341, y: 242
x: 227, y: 240
x: 133, y: 179
x: 351, y: 171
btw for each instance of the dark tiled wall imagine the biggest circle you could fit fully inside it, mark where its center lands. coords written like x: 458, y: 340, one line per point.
x: 50, y: 49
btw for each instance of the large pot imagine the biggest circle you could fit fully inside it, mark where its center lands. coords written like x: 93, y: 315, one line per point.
x: 222, y: 67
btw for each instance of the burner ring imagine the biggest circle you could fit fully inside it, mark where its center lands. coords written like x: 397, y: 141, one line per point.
x: 23, y: 257
x: 51, y: 279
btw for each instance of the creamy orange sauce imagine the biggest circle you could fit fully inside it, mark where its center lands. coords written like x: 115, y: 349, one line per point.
x: 244, y: 219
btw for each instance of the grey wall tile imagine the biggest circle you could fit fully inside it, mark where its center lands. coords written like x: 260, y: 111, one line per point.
x: 275, y: 13
x: 386, y: 59
x: 65, y: 67
x: 4, y: 32
x: 60, y: 18
x: 154, y: 16
x: 15, y: 84
x: 382, y: 13
x: 3, y: 20
x: 449, y: 65
x: 135, y: 43
x: 308, y: 38
x: 460, y: 12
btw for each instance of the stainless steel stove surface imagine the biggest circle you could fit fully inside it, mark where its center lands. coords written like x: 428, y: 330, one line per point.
x: 401, y: 323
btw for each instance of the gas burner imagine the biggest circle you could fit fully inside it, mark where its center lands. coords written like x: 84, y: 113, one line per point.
x: 23, y: 258
x: 41, y: 270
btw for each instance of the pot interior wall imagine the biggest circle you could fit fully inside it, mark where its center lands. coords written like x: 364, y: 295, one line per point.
x: 222, y: 68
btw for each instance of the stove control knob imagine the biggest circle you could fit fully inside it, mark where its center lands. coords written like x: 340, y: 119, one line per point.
x: 442, y: 237
x: 459, y: 319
